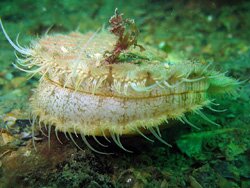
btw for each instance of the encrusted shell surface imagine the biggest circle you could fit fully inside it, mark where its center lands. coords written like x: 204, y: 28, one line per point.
x: 80, y: 93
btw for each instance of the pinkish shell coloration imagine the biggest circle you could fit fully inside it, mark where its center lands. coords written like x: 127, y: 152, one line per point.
x: 80, y: 93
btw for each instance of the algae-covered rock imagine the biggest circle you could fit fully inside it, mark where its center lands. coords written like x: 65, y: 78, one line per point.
x: 228, y: 143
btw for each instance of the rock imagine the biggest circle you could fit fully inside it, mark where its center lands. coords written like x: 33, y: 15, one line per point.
x: 5, y: 138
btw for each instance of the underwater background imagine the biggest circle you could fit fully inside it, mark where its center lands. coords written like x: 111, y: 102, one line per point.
x: 210, y: 31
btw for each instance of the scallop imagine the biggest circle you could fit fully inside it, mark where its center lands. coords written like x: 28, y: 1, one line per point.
x: 79, y: 93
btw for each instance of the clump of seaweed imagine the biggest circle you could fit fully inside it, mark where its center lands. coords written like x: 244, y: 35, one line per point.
x: 127, y: 33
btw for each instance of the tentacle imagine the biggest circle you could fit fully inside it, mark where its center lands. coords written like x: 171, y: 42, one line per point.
x: 205, y: 68
x: 41, y: 78
x: 158, y: 131
x: 116, y: 139
x: 215, y: 110
x: 40, y: 128
x: 101, y: 80
x: 213, y: 103
x: 105, y: 136
x: 90, y: 147
x: 181, y: 120
x: 82, y: 51
x: 94, y: 85
x: 56, y: 133
x: 158, y: 137
x: 188, y: 122
x: 65, y: 134
x: 240, y: 82
x: 33, y: 74
x: 75, y: 131
x: 143, y: 135
x: 45, y: 126
x: 23, y: 62
x: 117, y: 85
x: 49, y: 135
x: 125, y: 88
x: 206, y: 118
x: 159, y: 84
x: 135, y: 87
x: 16, y: 47
x: 103, y: 145
x: 79, y: 82
x: 33, y: 130
x: 173, y: 85
x: 17, y: 43
x: 68, y: 79
x: 48, y: 30
x: 71, y: 137
x: 218, y: 75
x: 192, y: 80
x: 119, y: 141
x: 28, y: 71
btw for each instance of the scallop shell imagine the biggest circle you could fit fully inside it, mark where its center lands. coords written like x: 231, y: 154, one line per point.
x: 80, y: 93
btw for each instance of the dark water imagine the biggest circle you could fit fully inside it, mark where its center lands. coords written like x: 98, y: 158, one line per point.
x: 211, y: 31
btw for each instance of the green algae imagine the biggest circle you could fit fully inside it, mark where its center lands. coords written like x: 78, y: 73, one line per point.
x: 228, y: 143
